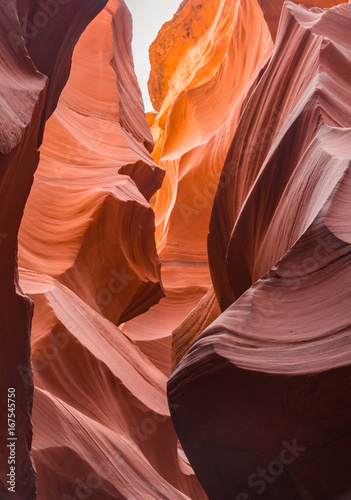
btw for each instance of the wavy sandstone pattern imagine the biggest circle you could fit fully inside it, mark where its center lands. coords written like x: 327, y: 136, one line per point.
x: 198, y: 94
x: 31, y: 82
x: 96, y: 171
x: 272, y: 10
x: 89, y: 376
x: 236, y: 191
x: 274, y: 367
x: 92, y: 273
x: 200, y: 108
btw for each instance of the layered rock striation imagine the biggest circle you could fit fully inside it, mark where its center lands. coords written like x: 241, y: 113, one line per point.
x: 89, y: 202
x: 262, y: 394
x: 90, y: 265
x: 210, y: 238
x: 31, y: 82
x: 199, y: 95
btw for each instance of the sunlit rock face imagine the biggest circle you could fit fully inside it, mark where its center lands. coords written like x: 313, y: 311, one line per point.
x: 203, y: 64
x: 210, y: 238
x: 89, y: 265
x: 199, y: 95
x: 262, y: 396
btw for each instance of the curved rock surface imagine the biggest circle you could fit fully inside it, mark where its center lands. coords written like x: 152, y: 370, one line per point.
x: 249, y: 142
x: 96, y: 171
x: 262, y: 394
x: 177, y: 39
x: 26, y: 96
x: 253, y: 181
x: 272, y: 10
x: 90, y: 265
x: 199, y: 98
x: 204, y: 63
x: 89, y: 375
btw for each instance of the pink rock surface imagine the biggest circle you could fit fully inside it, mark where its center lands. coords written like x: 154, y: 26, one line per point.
x: 222, y: 253
x: 106, y: 401
x: 253, y: 181
x: 89, y: 265
x: 262, y: 394
x: 96, y: 172
x: 25, y: 95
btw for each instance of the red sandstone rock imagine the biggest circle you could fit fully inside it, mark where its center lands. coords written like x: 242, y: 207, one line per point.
x: 88, y: 375
x: 92, y: 256
x: 272, y: 10
x: 265, y: 384
x: 198, y: 114
x: 96, y: 172
x: 24, y: 99
x: 206, y: 311
x: 252, y: 180
x: 262, y: 394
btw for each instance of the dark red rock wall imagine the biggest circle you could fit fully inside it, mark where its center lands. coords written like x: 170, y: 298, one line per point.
x: 24, y: 98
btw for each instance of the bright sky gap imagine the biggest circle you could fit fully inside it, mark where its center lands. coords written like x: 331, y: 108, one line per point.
x: 148, y: 18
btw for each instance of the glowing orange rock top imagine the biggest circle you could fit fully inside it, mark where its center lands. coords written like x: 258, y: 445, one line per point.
x: 175, y: 40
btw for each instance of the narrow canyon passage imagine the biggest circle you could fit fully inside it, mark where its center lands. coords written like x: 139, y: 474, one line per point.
x: 175, y: 281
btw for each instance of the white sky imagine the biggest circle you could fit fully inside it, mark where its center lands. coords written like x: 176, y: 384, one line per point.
x: 148, y: 17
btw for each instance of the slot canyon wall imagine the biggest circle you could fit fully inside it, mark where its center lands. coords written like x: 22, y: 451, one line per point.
x: 176, y: 287
x: 270, y: 377
x: 31, y: 82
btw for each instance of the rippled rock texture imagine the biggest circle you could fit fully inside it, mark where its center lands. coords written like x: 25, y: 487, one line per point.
x: 199, y: 96
x: 90, y: 265
x: 263, y: 393
x: 31, y: 81
x: 210, y: 239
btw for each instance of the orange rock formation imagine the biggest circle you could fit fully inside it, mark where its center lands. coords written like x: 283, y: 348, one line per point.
x: 91, y: 264
x: 210, y: 238
x: 193, y: 130
x: 31, y: 81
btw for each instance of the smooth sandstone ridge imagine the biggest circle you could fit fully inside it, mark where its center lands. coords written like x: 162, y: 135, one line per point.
x: 262, y: 395
x: 272, y: 10
x: 199, y: 110
x: 30, y: 85
x: 90, y: 265
x: 206, y: 246
x: 198, y: 93
x: 89, y: 202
